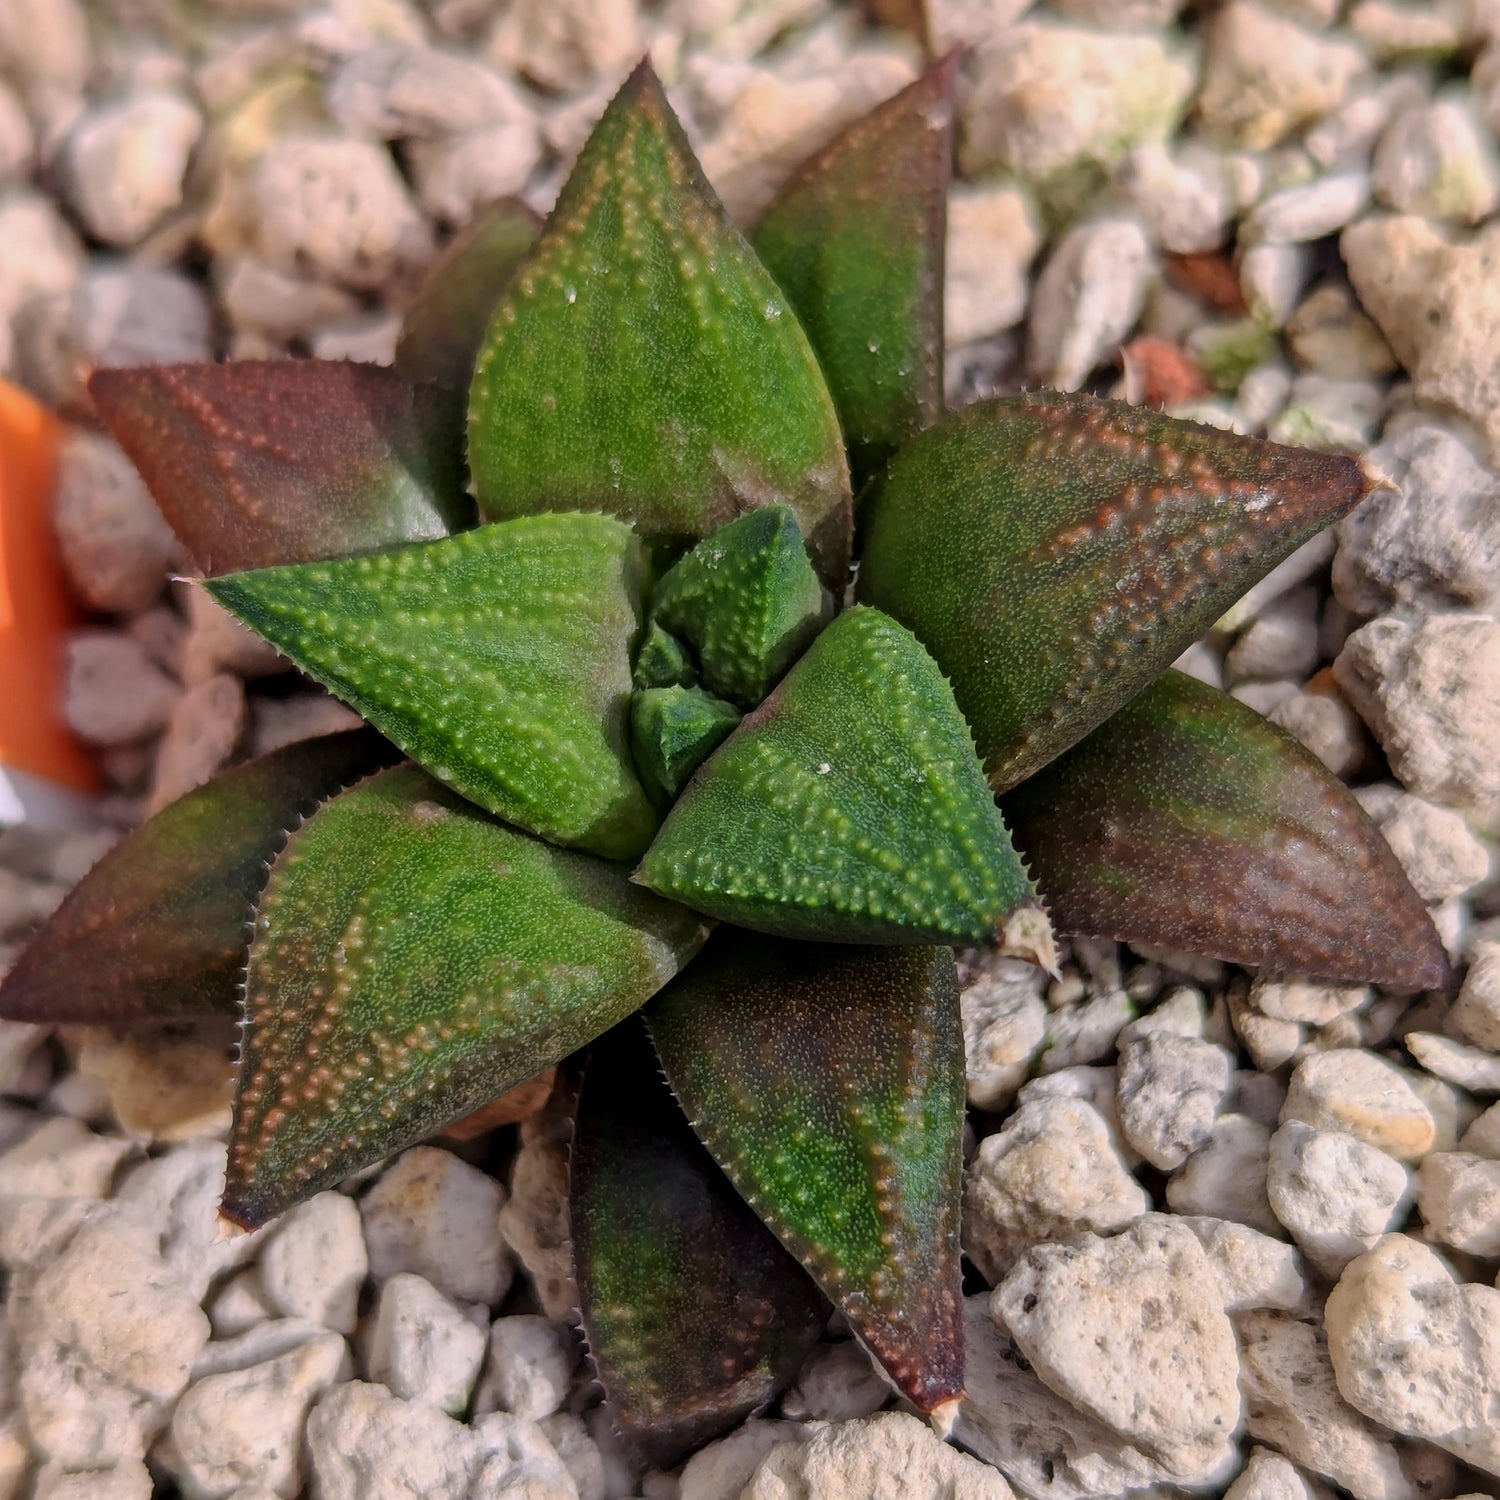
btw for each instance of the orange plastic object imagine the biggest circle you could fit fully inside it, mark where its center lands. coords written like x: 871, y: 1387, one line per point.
x: 35, y: 610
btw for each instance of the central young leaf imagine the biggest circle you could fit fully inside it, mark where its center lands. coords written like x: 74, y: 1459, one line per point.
x: 643, y: 361
x: 850, y: 807
x: 498, y: 659
x: 412, y: 960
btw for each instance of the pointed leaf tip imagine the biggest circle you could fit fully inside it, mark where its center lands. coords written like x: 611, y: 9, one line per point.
x: 255, y: 463
x: 695, y: 1315
x: 643, y: 359
x: 840, y: 1120
x: 414, y: 959
x: 1055, y: 553
x: 1191, y: 822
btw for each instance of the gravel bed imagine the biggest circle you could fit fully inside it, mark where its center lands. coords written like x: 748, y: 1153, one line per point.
x: 1230, y: 1235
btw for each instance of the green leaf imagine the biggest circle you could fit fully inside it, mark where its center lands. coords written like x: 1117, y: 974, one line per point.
x: 748, y: 600
x: 662, y: 661
x: 444, y: 325
x: 255, y: 463
x: 156, y: 931
x: 695, y: 1316
x: 644, y: 360
x: 673, y: 730
x: 850, y: 807
x: 414, y: 959
x: 840, y: 1119
x: 498, y: 659
x: 1190, y: 821
x: 856, y: 240
x: 1055, y: 553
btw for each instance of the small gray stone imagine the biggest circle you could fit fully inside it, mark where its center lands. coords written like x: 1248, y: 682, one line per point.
x: 534, y: 1218
x: 436, y: 1215
x: 314, y: 1263
x: 528, y: 1369
x: 1325, y: 413
x: 1226, y: 1177
x: 1475, y: 1014
x: 1325, y: 724
x: 1435, y: 159
x: 1170, y: 1089
x: 993, y: 237
x: 423, y: 1347
x: 892, y: 1456
x: 396, y: 93
x: 1469, y: 1067
x: 1430, y: 541
x: 1005, y: 1026
x: 265, y: 299
x: 1051, y: 1173
x: 124, y: 163
x: 1253, y: 1270
x: 456, y: 174
x: 1335, y: 1194
x: 62, y: 1158
x: 1439, y: 854
x: 1292, y: 1402
x: 1458, y: 1194
x: 1087, y: 299
x: 114, y: 694
x: 1268, y: 1476
x: 565, y: 44
x: 1131, y: 1330
x: 837, y: 1383
x: 1309, y: 211
x: 1418, y: 1351
x: 1365, y: 1096
x: 1282, y: 641
x: 206, y: 724
x: 275, y: 722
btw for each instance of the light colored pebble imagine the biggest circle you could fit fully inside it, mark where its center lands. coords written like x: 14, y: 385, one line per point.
x: 1268, y: 1476
x: 1050, y: 1173
x: 437, y: 1216
x: 723, y: 1467
x: 1321, y: 412
x: 124, y: 1481
x: 1439, y: 854
x: 239, y: 1304
x: 1337, y: 1195
x: 40, y: 257
x: 1170, y: 1089
x: 1418, y: 1351
x: 124, y: 163
x: 1088, y: 297
x: 161, y: 1086
x: 256, y: 1345
x: 206, y: 724
x: 245, y: 1426
x: 17, y: 143
x: 1265, y: 76
x: 1458, y: 1194
x: 1308, y: 211
x: 1084, y: 1033
x: 1306, y: 1000
x: 1226, y: 1177
x: 1475, y: 1014
x: 114, y: 693
x: 111, y: 537
x: 275, y: 722
x: 528, y: 1367
x: 580, y: 1454
x: 215, y: 641
x: 1365, y: 1096
x: 423, y: 1347
x: 892, y: 1456
x: 1181, y: 196
x: 1282, y: 641
x: 993, y: 236
x: 1252, y: 1269
x: 396, y: 93
x: 1005, y: 1026
x: 1483, y: 1135
x: 1330, y: 334
x: 568, y: 44
x: 1292, y: 1403
x: 1470, y: 1068
x: 837, y: 1383
x: 62, y: 1158
x: 1433, y: 539
x: 313, y: 1264
x: 1042, y: 1443
x: 1437, y: 160
x: 1272, y: 279
x: 1131, y: 1330
x: 267, y: 300
x: 1324, y: 723
x: 455, y: 175
x: 534, y: 1218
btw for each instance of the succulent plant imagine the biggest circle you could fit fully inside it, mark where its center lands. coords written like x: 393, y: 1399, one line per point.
x: 625, y: 683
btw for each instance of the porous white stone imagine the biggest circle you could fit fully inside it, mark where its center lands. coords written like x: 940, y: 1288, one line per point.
x: 393, y: 92
x: 1330, y: 334
x: 313, y: 1264
x: 206, y: 723
x: 837, y: 1382
x: 993, y: 236
x: 724, y: 1467
x: 1005, y: 1025
x: 1337, y: 1195
x: 239, y: 1304
x: 455, y: 175
x: 1268, y: 1476
x: 1350, y: 1090
x: 1252, y: 1269
x: 1078, y: 1034
x: 892, y: 1456
x: 534, y: 1218
x: 1440, y: 856
x: 1182, y: 197
x: 1471, y: 1068
x: 1170, y: 1089
x: 266, y: 300
x: 111, y: 537
x: 124, y: 1481
x: 114, y: 694
x: 1483, y: 1135
x: 580, y: 1454
x: 565, y: 44
x: 245, y: 1426
x: 1306, y: 1000
x: 437, y: 1216
x: 1051, y: 1173
x: 1458, y: 1193
x: 1292, y: 1402
x: 1309, y: 211
x: 1282, y: 640
x: 1437, y: 160
x: 1475, y: 1015
x: 1087, y: 299
x: 1419, y: 1351
x: 1264, y: 75
x: 335, y: 208
x: 1131, y: 1329
x: 1045, y: 1446
x: 124, y: 163
x: 423, y: 1346
x: 528, y: 1368
x: 62, y: 1158
x: 1226, y: 1177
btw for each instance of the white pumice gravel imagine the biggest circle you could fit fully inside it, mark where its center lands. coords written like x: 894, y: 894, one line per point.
x: 1230, y: 1237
